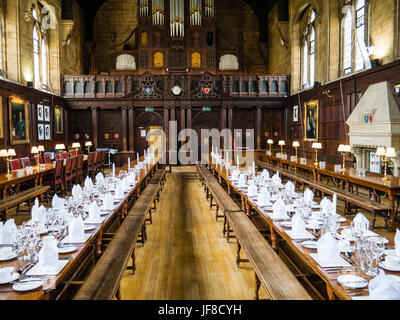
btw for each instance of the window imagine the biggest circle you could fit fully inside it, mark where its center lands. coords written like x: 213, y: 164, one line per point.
x: 40, y: 53
x: 360, y: 34
x: 308, y: 51
x: 354, y: 38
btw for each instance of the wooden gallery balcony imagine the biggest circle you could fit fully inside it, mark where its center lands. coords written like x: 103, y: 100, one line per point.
x: 193, y: 86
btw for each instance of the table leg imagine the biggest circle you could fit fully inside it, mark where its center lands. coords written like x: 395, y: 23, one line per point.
x: 274, y: 239
x: 256, y: 286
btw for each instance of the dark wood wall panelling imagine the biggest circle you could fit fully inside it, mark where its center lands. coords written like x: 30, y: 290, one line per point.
x: 332, y: 113
x: 10, y: 90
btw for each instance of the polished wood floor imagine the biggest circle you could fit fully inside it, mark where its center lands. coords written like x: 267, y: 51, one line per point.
x: 186, y: 256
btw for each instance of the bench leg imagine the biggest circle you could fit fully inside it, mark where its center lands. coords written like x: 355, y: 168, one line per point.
x: 224, y: 227
x: 256, y: 286
x: 238, y: 254
x: 133, y: 262
x: 118, y: 294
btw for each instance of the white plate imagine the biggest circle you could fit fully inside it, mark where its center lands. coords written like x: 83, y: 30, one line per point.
x: 385, y: 241
x: 28, y: 285
x: 305, y: 236
x: 340, y: 263
x: 287, y: 224
x: 89, y: 227
x: 390, y: 252
x: 384, y: 266
x: 13, y: 255
x: 346, y: 233
x: 309, y: 244
x: 352, y: 281
x: 14, y: 276
x: 66, y: 249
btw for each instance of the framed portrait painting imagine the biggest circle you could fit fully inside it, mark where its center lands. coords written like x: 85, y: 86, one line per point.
x: 47, y: 134
x: 295, y: 113
x: 41, y: 132
x: 19, y: 121
x: 58, y: 120
x: 47, y: 113
x: 40, y: 112
x: 311, y: 120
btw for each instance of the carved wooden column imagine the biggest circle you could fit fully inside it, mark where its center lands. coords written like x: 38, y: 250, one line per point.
x: 230, y: 119
x: 95, y: 121
x: 166, y: 131
x: 183, y: 118
x: 189, y: 117
x: 132, y: 128
x: 124, y: 115
x: 259, y: 124
x: 223, y: 125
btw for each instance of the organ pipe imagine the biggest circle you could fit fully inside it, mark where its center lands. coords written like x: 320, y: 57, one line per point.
x: 158, y: 12
x: 177, y: 17
x: 195, y: 12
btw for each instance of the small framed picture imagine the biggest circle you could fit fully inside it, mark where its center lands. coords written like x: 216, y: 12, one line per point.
x: 116, y: 136
x: 40, y: 112
x: 47, y: 113
x: 143, y: 133
x: 295, y: 113
x: 47, y: 134
x: 41, y: 132
x: 87, y: 136
x: 76, y: 136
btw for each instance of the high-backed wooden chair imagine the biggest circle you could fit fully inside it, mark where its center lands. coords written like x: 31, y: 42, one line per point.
x: 55, y: 180
x: 89, y: 167
x: 64, y: 155
x: 97, y: 162
x: 72, y: 153
x: 67, y: 174
x: 79, y: 170
x: 25, y: 162
x: 38, y: 160
x: 15, y: 164
x: 46, y: 158
x: 73, y: 169
x: 58, y: 156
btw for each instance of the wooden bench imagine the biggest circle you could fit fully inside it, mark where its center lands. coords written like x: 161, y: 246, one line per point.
x: 353, y: 200
x: 103, y: 282
x: 270, y: 271
x: 350, y: 199
x: 19, y: 198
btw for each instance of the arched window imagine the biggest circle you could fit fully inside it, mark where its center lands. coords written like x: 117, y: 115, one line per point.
x: 355, y: 36
x: 40, y: 52
x: 347, y: 39
x: 308, y: 48
x: 360, y: 35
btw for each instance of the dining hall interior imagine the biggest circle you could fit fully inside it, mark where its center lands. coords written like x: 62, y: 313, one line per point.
x: 166, y: 150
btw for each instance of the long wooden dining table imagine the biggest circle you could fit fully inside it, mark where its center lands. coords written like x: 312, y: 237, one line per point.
x: 56, y: 287
x: 278, y: 232
x: 349, y: 180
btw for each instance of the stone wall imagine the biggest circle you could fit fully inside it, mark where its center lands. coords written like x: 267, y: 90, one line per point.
x: 18, y: 51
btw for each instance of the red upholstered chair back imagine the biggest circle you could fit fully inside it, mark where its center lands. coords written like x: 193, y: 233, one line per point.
x: 58, y: 156
x: 25, y: 162
x: 65, y: 155
x: 15, y: 164
x: 47, y: 158
x: 38, y: 160
x: 68, y: 165
x: 72, y: 153
x: 90, y: 158
x: 80, y: 162
x: 78, y: 152
x: 74, y: 162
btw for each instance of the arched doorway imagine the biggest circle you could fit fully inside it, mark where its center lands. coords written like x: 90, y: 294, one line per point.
x: 205, y: 120
x: 145, y: 122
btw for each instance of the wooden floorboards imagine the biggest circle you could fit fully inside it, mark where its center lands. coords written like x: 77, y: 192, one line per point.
x: 186, y: 257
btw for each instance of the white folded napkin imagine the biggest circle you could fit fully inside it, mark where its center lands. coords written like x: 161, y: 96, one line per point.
x: 48, y: 254
x: 298, y: 225
x: 383, y: 287
x: 88, y: 184
x: 76, y: 192
x: 57, y: 203
x: 108, y: 202
x: 328, y: 249
x: 76, y: 229
x: 290, y: 187
x: 263, y: 198
x: 252, y: 189
x: 94, y: 212
x: 276, y: 180
x: 132, y: 178
x: 326, y: 205
x: 99, y: 178
x: 119, y: 192
x: 344, y: 245
x: 279, y: 210
x: 397, y: 242
x: 126, y: 183
x: 38, y: 215
x: 242, y: 181
x: 308, y: 195
x: 265, y: 174
x: 334, y: 204
x: 8, y: 231
x: 235, y: 174
x: 361, y: 223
